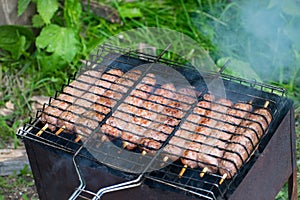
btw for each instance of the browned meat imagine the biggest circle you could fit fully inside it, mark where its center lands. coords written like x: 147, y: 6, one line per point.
x: 159, y: 132
x: 242, y: 144
x: 69, y: 95
x: 154, y: 137
x: 155, y: 103
x: 90, y: 119
x: 184, y: 136
x: 145, y: 117
x: 82, y: 104
x: 133, y: 131
x: 204, y: 157
x: 216, y: 142
x: 114, y: 125
x: 51, y: 113
x: 117, y: 89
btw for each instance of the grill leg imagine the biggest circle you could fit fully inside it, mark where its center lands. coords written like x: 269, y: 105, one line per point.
x: 82, y: 185
x: 292, y: 182
x: 292, y: 186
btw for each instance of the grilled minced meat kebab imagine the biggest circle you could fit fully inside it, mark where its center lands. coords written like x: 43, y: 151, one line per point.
x: 217, y: 135
x: 69, y: 95
x: 243, y: 143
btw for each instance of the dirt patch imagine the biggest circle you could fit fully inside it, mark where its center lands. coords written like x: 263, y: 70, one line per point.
x: 18, y: 187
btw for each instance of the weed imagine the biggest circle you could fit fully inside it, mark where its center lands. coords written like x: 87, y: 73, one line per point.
x: 33, y: 64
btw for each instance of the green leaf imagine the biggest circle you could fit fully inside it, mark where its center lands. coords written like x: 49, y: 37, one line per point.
x: 22, y: 6
x: 46, y: 9
x: 130, y: 12
x: 15, y: 39
x: 37, y: 21
x: 50, y: 63
x: 72, y: 13
x: 60, y: 41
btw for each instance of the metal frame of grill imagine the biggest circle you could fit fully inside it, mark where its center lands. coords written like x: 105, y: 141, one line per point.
x: 207, y: 187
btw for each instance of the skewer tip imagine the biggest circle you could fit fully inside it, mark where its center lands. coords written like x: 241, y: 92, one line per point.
x: 78, y: 138
x: 125, y: 144
x: 60, y: 130
x: 42, y: 130
x: 266, y: 104
x: 222, y: 179
x: 166, y: 158
x: 103, y: 138
x: 182, y: 171
x: 202, y: 173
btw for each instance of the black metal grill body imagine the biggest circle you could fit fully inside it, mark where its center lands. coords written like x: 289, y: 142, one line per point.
x: 55, y: 175
x: 261, y: 178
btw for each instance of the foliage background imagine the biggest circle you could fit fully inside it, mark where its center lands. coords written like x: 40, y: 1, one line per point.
x: 37, y: 59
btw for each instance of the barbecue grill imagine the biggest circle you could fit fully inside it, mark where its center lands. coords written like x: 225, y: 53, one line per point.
x: 68, y: 164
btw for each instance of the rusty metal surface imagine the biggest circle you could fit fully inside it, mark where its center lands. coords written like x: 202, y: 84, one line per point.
x: 273, y: 168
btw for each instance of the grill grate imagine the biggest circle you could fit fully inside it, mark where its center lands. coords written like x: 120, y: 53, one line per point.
x: 152, y: 169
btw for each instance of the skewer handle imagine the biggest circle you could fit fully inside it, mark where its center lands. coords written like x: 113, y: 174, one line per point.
x: 125, y: 144
x: 222, y: 179
x: 166, y: 158
x: 42, y: 130
x: 266, y: 104
x: 182, y: 171
x: 203, y: 172
x: 77, y: 139
x: 60, y: 130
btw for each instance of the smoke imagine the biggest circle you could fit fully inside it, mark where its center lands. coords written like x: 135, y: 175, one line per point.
x: 263, y: 34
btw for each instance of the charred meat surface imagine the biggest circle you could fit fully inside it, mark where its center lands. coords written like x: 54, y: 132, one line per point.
x: 243, y: 143
x: 183, y: 138
x: 176, y: 108
x: 69, y: 95
x: 84, y: 103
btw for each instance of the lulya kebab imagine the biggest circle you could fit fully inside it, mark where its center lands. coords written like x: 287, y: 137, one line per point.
x: 242, y: 144
x: 113, y: 125
x: 147, y: 112
x: 222, y: 132
x: 196, y: 147
x: 177, y: 145
x: 204, y: 157
x: 132, y: 133
x: 69, y: 95
x: 109, y: 100
x: 159, y: 131
x: 83, y: 103
x: 90, y: 119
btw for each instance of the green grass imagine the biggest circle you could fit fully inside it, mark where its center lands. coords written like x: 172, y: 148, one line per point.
x: 21, y: 79
x: 14, y: 185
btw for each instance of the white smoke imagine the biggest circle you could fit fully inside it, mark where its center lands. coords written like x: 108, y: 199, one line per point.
x: 264, y: 34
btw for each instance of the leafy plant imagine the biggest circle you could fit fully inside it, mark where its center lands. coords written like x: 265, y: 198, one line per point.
x: 58, y: 44
x: 15, y: 40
